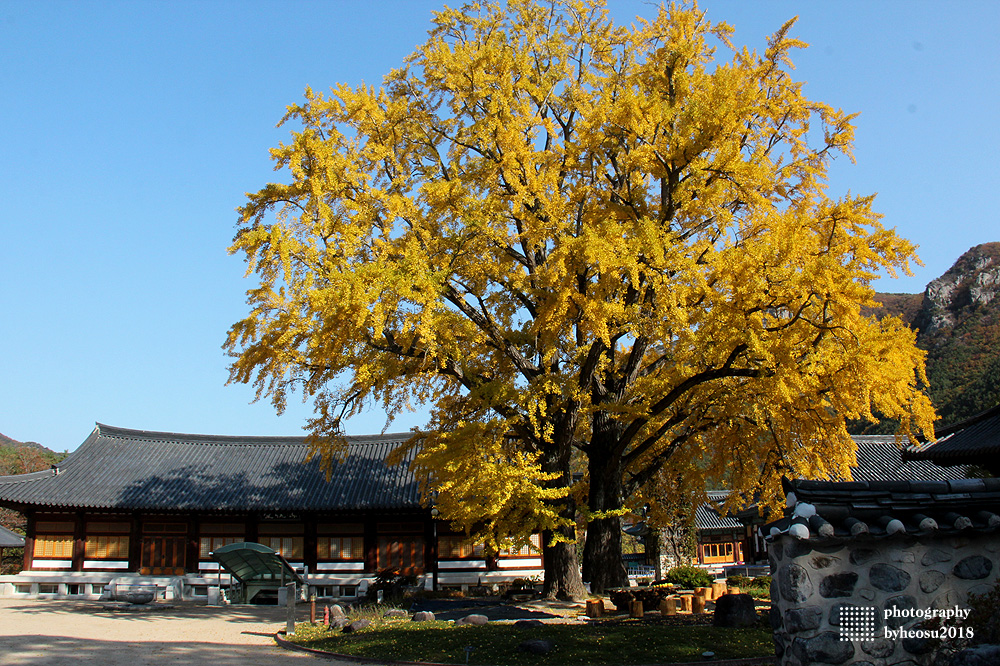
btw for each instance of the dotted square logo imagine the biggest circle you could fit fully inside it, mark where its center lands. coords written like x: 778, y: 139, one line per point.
x: 857, y: 623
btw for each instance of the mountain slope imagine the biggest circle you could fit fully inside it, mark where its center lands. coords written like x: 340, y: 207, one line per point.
x: 957, y: 319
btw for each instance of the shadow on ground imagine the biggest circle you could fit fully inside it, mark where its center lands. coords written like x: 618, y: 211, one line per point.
x: 62, y: 651
x: 494, y: 609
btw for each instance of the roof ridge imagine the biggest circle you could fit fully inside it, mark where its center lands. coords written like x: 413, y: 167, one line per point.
x: 110, y: 431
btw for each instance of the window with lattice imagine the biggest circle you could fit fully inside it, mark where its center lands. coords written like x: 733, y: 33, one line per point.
x: 287, y: 547
x: 533, y: 547
x: 106, y: 547
x: 54, y: 545
x: 459, y: 547
x: 206, y: 545
x: 340, y: 548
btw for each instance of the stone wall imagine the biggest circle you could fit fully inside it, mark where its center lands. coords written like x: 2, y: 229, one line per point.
x: 814, y: 581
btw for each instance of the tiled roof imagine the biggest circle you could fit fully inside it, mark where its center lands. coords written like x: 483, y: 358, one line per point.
x: 117, y: 468
x: 825, y: 509
x: 879, y: 459
x: 10, y: 539
x: 706, y: 517
x: 973, y: 441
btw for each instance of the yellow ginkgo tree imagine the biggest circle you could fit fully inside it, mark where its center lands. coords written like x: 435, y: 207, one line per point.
x: 577, y: 241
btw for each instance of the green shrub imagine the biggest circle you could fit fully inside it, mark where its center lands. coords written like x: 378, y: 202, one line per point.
x: 761, y: 581
x: 739, y: 580
x: 688, y: 577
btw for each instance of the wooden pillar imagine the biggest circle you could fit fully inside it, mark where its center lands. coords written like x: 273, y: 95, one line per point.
x: 135, y: 543
x: 371, y: 545
x: 309, y: 542
x: 251, y: 531
x: 431, y: 550
x: 79, y: 541
x: 193, y: 545
x: 29, y: 539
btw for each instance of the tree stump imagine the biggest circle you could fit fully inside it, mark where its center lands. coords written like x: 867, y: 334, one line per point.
x: 594, y: 608
x: 635, y: 608
x: 698, y: 605
x: 686, y: 602
x: 668, y: 606
x: 718, y: 589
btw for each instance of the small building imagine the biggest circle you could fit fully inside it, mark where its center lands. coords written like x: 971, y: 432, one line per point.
x: 156, y: 504
x: 975, y: 441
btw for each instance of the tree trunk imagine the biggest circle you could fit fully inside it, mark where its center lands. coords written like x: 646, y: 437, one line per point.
x: 560, y: 561
x: 562, y: 568
x: 602, y: 554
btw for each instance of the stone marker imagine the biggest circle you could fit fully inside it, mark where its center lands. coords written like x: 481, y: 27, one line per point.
x: 474, y: 619
x: 734, y: 610
x: 357, y: 625
x: 536, y: 646
x: 337, y: 611
x: 423, y: 616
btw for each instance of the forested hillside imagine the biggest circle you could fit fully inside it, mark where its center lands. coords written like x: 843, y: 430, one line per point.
x: 957, y: 319
x: 20, y: 458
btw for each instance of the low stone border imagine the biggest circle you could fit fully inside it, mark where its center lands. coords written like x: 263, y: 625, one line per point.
x: 288, y: 645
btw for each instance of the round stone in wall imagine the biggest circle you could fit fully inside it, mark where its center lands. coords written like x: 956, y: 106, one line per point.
x: 902, y: 603
x: 823, y: 561
x: 935, y: 555
x: 802, y: 619
x: 888, y: 578
x: 879, y: 648
x: 794, y: 583
x: 974, y: 567
x: 838, y: 585
x: 824, y: 648
x: 930, y: 580
x: 863, y: 555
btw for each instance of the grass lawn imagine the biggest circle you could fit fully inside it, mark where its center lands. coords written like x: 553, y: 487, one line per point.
x: 613, y: 642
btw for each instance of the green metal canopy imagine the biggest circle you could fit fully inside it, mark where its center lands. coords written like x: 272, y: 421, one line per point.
x: 253, y: 562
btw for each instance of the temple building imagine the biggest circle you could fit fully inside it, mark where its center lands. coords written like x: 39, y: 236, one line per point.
x: 156, y: 504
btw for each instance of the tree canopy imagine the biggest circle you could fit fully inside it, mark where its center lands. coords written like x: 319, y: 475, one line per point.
x: 570, y: 237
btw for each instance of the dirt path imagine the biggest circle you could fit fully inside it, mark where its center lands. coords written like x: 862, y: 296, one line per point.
x: 69, y: 633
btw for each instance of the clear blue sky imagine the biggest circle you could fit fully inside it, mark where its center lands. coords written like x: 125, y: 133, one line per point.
x: 130, y: 131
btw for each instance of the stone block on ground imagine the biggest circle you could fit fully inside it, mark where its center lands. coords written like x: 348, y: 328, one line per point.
x: 735, y: 610
x: 396, y: 612
x: 423, y: 616
x: 357, y: 625
x: 474, y: 619
x: 527, y: 624
x: 536, y: 646
x: 337, y: 611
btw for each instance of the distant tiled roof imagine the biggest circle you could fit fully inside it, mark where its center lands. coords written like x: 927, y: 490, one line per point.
x: 10, y: 539
x: 974, y: 441
x: 825, y: 509
x: 706, y: 517
x: 117, y: 468
x: 879, y: 459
